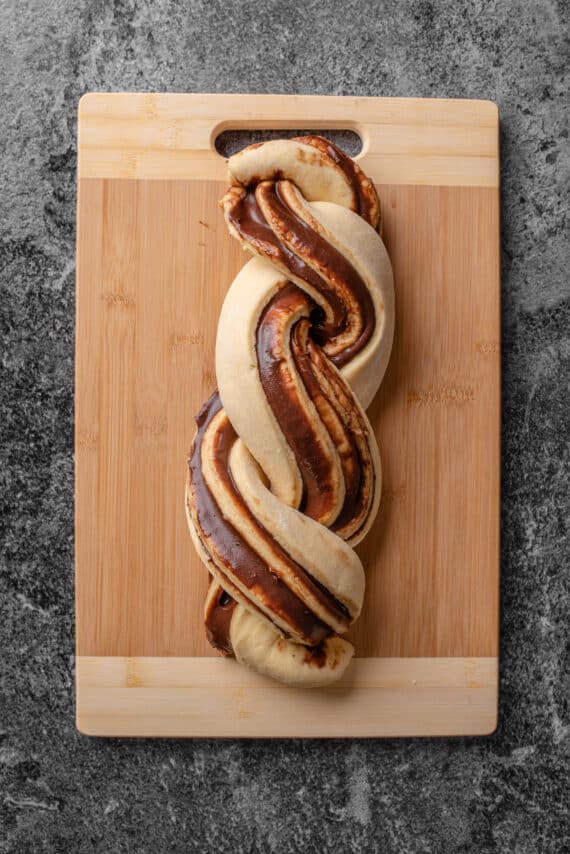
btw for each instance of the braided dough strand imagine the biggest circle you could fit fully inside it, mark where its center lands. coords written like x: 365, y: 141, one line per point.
x: 284, y: 472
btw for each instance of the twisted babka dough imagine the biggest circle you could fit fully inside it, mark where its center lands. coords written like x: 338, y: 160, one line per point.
x: 284, y: 472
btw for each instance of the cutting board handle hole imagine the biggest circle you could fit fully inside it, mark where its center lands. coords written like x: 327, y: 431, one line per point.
x: 232, y: 140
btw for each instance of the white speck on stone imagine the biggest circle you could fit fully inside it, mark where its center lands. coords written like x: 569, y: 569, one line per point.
x: 27, y: 605
x: 521, y: 754
x: 10, y: 757
x: 165, y: 770
x: 358, y: 805
x: 29, y: 803
x: 111, y: 807
x: 69, y: 267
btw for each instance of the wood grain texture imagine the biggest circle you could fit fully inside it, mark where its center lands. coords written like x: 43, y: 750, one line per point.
x: 180, y: 697
x: 405, y: 140
x: 154, y: 263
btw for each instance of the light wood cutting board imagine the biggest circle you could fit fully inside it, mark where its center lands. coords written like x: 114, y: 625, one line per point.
x: 154, y: 261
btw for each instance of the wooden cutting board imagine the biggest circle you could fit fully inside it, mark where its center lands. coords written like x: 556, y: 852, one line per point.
x: 154, y: 261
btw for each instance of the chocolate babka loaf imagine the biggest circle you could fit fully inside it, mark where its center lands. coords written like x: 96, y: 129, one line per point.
x: 284, y: 472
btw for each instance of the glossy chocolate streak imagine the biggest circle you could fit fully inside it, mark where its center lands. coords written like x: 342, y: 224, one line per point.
x: 315, y: 656
x: 351, y: 460
x: 290, y: 602
x: 218, y: 619
x: 233, y: 550
x: 326, y: 257
x: 359, y: 497
x: 252, y: 226
x: 315, y: 466
x: 249, y: 221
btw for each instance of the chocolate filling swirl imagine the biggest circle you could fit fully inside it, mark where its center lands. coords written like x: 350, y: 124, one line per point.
x: 338, y: 283
x: 312, y: 326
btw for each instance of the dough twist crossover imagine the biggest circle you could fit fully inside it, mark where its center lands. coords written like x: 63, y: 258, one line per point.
x: 284, y: 472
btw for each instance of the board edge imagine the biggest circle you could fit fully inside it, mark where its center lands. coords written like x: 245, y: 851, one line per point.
x: 442, y: 698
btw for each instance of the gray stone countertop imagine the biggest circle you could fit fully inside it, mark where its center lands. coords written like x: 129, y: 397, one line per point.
x: 63, y: 792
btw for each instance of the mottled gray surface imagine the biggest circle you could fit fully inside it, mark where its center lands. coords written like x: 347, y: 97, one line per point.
x: 63, y: 792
